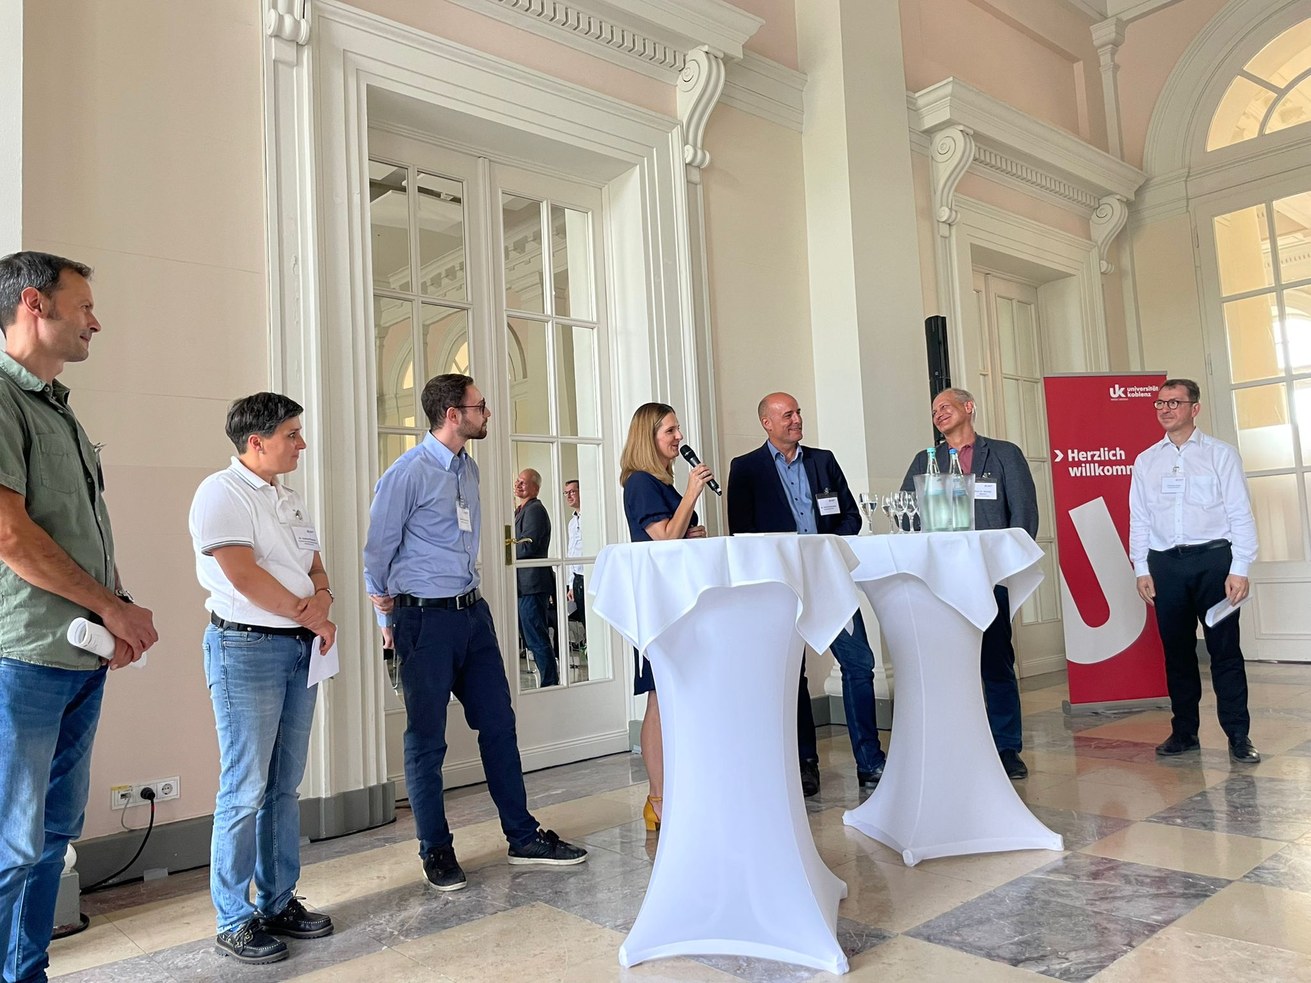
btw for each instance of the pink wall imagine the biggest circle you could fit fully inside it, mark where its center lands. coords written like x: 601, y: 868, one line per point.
x: 459, y: 24
x: 1152, y: 47
x: 1036, y: 57
x: 777, y: 37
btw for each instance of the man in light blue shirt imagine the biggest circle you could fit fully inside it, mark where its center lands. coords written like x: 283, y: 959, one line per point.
x: 420, y: 571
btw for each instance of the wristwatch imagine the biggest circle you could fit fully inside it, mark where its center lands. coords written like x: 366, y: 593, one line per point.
x: 328, y: 591
x: 124, y: 596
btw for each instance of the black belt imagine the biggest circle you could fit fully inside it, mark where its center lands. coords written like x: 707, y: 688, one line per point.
x: 449, y: 603
x: 1215, y: 544
x: 304, y: 634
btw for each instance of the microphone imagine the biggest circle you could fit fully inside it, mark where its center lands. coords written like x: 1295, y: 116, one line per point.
x: 690, y: 456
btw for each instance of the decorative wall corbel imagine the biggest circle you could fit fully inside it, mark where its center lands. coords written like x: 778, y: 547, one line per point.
x: 699, y: 88
x: 953, y: 151
x: 1107, y: 220
x: 287, y: 20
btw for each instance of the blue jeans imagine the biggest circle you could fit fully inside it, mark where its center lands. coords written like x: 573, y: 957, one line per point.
x: 855, y: 659
x: 263, y: 712
x: 441, y: 652
x: 1001, y: 690
x: 48, y: 722
x: 534, y: 612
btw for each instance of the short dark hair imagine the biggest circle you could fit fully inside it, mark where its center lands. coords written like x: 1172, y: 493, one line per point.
x: 260, y: 414
x: 441, y: 393
x: 18, y: 271
x: 1194, y: 390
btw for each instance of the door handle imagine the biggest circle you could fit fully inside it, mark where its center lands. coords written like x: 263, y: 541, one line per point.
x: 511, y: 543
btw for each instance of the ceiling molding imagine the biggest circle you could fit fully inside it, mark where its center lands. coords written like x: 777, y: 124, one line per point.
x: 652, y: 37
x: 1027, y: 152
x: 764, y: 88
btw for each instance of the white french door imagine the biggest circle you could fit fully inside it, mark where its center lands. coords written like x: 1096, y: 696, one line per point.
x: 1012, y: 408
x: 498, y: 272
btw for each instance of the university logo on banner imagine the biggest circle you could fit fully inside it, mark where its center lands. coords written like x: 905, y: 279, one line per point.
x: 1097, y: 425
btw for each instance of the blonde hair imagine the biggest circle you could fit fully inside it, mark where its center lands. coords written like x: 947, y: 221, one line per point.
x: 640, y: 452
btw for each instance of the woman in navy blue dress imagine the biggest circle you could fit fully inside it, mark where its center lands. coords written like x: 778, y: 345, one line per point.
x: 656, y: 511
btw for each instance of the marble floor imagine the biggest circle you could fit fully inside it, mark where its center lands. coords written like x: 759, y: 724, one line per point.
x: 1192, y: 869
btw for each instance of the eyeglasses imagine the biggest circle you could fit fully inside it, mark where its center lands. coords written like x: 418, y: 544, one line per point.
x: 1173, y: 404
x: 481, y: 406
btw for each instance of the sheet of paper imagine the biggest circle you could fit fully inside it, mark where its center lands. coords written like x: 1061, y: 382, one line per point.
x: 1222, y: 610
x: 323, y: 665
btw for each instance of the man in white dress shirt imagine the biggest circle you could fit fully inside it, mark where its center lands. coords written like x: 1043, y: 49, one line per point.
x: 574, y: 547
x: 1192, y: 539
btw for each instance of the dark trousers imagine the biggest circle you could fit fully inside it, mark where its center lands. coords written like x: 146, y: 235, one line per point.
x: 855, y: 659
x: 534, y: 614
x: 1186, y: 585
x: 442, y: 652
x: 1001, y: 690
x: 576, y: 585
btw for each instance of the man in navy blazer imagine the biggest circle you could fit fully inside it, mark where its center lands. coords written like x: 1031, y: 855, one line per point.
x: 784, y: 486
x: 1004, y: 498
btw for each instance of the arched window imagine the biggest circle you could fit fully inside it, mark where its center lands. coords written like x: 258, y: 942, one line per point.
x: 1272, y: 92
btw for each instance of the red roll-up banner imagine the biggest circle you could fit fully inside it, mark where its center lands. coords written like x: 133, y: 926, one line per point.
x: 1097, y: 425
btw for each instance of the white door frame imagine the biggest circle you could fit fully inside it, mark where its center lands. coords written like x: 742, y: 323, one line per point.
x: 317, y: 115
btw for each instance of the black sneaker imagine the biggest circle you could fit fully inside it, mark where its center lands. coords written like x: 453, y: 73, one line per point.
x: 809, y: 778
x: 249, y: 943
x: 1014, y: 765
x: 547, y: 848
x: 870, y: 779
x: 298, y: 922
x: 1177, y: 744
x: 443, y: 870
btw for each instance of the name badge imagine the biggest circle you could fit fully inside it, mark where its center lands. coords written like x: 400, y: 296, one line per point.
x: 463, y: 517
x: 829, y: 505
x: 306, y: 537
x: 1172, y: 484
x: 985, y: 491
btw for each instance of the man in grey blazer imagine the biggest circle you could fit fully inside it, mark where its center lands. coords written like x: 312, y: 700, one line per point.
x: 532, y: 537
x: 1004, y: 498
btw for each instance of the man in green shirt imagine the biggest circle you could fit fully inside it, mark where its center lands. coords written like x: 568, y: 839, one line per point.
x: 56, y: 564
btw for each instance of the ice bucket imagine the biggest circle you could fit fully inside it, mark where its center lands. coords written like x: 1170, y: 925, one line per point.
x: 946, y: 502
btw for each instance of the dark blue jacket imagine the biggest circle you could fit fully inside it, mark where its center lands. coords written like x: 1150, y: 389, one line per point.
x: 757, y: 501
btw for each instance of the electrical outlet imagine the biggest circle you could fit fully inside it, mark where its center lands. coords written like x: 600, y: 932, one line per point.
x: 164, y: 789
x: 120, y: 796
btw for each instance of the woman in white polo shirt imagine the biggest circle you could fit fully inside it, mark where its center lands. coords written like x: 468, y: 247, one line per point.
x: 257, y: 554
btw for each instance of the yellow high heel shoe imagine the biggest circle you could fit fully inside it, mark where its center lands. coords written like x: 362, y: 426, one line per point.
x: 649, y: 813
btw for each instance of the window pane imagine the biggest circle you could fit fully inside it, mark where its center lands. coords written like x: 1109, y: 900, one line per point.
x: 530, y: 387
x: 571, y: 263
x: 1239, y: 114
x: 576, y: 375
x: 1302, y: 414
x: 1293, y: 227
x: 1010, y: 354
x: 389, y: 220
x: 1293, y: 109
x: 393, y: 323
x: 1265, y: 438
x: 1284, y: 58
x: 1013, y: 396
x: 584, y: 536
x: 1251, y: 328
x: 1297, y: 329
x: 441, y: 238
x: 537, y: 587
x: 521, y: 224
x: 445, y: 342
x: 392, y: 446
x: 1243, y: 250
x: 1026, y: 339
x: 1278, y: 517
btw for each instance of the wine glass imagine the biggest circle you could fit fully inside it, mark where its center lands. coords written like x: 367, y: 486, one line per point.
x: 869, y: 506
x: 912, y: 510
x: 888, y: 510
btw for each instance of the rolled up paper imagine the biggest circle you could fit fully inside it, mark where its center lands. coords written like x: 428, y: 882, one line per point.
x: 94, y: 638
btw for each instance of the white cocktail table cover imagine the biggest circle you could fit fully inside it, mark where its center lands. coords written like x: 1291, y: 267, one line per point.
x: 723, y: 621
x: 944, y: 791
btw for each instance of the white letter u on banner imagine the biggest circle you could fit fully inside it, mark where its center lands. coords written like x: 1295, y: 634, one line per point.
x: 1110, y: 564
